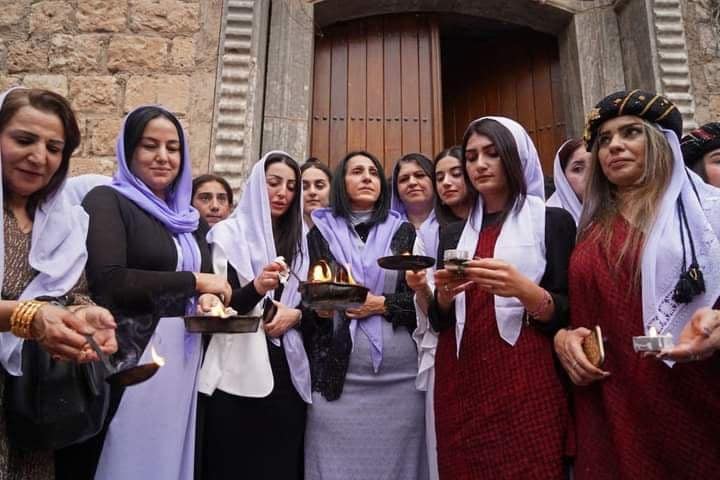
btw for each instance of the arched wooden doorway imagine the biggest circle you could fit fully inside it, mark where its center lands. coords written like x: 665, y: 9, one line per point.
x: 515, y: 75
x: 411, y: 83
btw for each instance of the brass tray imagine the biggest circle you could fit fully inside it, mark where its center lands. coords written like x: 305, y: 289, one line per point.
x: 332, y: 295
x: 212, y: 324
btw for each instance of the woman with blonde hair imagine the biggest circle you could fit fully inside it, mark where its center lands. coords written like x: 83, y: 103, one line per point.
x: 645, y: 262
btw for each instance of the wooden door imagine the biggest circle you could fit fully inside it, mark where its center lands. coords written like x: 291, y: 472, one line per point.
x: 377, y: 88
x: 517, y: 76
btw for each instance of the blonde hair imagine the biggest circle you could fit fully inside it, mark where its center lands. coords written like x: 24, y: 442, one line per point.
x: 601, y: 203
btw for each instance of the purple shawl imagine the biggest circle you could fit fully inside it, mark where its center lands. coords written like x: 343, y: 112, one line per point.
x: 348, y: 249
x: 177, y: 214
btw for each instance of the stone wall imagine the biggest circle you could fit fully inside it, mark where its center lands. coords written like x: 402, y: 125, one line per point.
x: 108, y: 56
x: 703, y: 42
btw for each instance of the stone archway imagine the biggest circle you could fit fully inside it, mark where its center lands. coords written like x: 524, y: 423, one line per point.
x: 604, y: 46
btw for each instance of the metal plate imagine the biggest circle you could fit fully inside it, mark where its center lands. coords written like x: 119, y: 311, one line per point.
x: 233, y: 324
x: 406, y: 262
x: 332, y: 295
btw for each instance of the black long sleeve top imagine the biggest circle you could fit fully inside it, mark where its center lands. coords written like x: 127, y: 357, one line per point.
x: 329, y: 358
x: 131, y: 267
x: 559, y: 243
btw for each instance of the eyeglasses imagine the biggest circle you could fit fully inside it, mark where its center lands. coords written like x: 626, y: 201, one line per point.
x: 207, y: 197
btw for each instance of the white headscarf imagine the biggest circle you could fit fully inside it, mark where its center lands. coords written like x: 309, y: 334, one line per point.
x: 77, y: 187
x: 661, y: 260
x: 564, y: 196
x: 57, y: 253
x: 239, y: 364
x: 521, y: 241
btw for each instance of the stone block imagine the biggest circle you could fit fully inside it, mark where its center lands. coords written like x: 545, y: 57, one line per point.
x: 183, y: 53
x: 172, y: 91
x: 51, y: 16
x: 86, y: 164
x: 55, y: 83
x: 200, y: 134
x: 96, y: 94
x: 164, y: 16
x: 102, y: 15
x: 102, y: 135
x: 30, y: 56
x: 7, y: 81
x: 14, y: 13
x: 76, y: 53
x: 714, y: 107
x: 133, y: 53
x: 202, y: 102
x: 712, y: 74
x: 3, y: 56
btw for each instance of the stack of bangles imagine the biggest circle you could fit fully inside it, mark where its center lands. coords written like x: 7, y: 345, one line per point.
x: 22, y: 317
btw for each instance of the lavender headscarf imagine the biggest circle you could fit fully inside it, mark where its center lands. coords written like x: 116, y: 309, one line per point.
x: 564, y: 196
x: 175, y: 213
x: 57, y: 253
x: 169, y: 398
x: 348, y: 249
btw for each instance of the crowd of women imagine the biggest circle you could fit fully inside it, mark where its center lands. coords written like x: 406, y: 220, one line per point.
x: 477, y: 371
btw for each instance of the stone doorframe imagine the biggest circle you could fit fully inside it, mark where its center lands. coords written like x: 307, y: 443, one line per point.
x: 604, y: 46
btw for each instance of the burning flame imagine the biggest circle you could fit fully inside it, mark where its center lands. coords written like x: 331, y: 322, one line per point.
x: 160, y: 361
x: 320, y: 272
x: 407, y: 253
x: 344, y: 276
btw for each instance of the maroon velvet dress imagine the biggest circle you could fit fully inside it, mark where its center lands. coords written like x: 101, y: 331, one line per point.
x: 646, y: 420
x: 501, y: 411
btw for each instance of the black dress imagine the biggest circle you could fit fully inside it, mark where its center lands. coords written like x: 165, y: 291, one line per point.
x: 254, y: 438
x: 131, y: 270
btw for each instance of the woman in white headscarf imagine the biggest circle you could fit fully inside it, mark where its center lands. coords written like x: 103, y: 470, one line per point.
x: 42, y: 246
x: 646, y: 260
x: 258, y: 383
x: 500, y: 406
x: 569, y: 172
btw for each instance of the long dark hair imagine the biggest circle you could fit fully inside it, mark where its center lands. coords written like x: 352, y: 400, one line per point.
x: 49, y: 102
x: 135, y: 126
x: 287, y: 230
x: 444, y: 213
x: 507, y: 150
x: 339, y: 200
x: 209, y: 177
x: 421, y: 160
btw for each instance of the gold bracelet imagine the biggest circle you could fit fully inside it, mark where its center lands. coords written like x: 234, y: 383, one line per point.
x: 23, y: 316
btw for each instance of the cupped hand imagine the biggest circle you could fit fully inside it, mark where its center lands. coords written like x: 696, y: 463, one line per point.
x: 448, y: 284
x: 497, y: 277
x: 61, y: 332
x: 416, y: 280
x: 285, y: 318
x: 699, y: 339
x: 216, y: 284
x: 374, y: 305
x: 568, y: 346
x: 206, y: 302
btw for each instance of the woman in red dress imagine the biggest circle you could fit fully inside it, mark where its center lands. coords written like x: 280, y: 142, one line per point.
x: 647, y: 239
x: 500, y: 405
